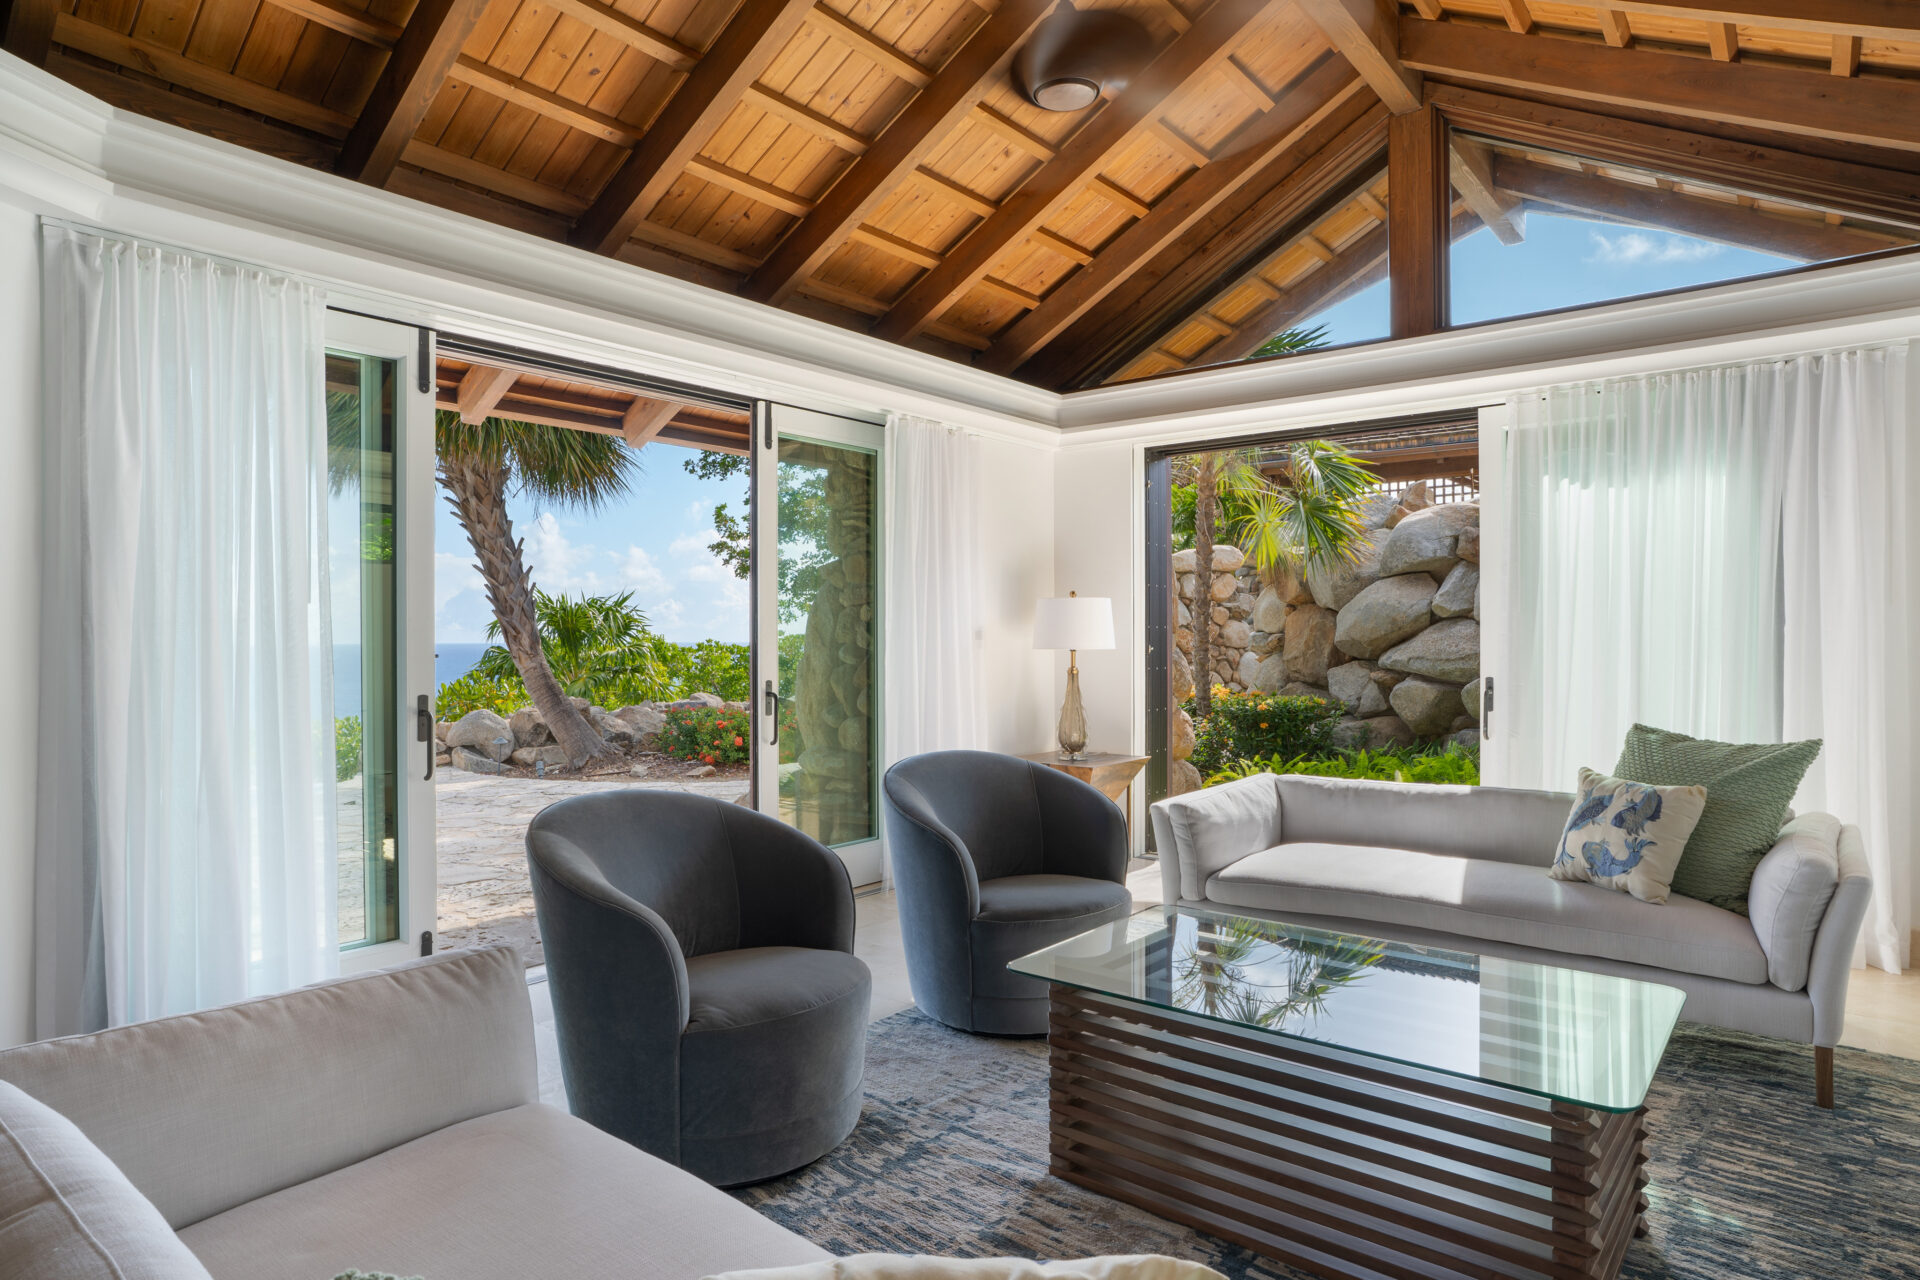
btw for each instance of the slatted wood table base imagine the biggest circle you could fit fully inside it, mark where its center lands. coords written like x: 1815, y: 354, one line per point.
x: 1346, y: 1166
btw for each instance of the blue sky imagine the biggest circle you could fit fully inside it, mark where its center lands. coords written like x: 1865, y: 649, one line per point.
x: 654, y: 543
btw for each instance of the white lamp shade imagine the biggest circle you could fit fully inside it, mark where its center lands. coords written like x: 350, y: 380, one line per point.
x: 1074, y: 622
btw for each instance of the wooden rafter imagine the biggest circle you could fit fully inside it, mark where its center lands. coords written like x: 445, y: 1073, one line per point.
x: 335, y: 15
x: 657, y: 45
x: 1845, y: 60
x: 1367, y: 34
x: 481, y: 390
x: 870, y: 46
x: 1871, y: 111
x: 1519, y: 17
x: 1361, y: 264
x: 897, y: 154
x: 1874, y: 19
x: 1471, y: 169
x: 1723, y: 41
x: 1091, y: 149
x: 1305, y: 104
x: 645, y: 419
x: 1614, y: 27
x: 1803, y: 239
x: 759, y: 30
x: 1419, y: 215
x: 417, y: 68
x: 26, y: 28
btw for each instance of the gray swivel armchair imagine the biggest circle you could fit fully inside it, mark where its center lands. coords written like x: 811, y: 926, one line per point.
x: 699, y: 955
x: 995, y: 857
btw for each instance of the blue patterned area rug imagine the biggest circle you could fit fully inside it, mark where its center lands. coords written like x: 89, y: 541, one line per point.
x: 1750, y: 1179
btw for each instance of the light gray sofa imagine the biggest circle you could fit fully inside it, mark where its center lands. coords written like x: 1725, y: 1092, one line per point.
x: 387, y: 1122
x: 1466, y: 868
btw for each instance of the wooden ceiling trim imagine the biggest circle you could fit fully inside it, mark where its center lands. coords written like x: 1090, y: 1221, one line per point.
x: 1115, y: 194
x: 1874, y: 111
x: 348, y: 21
x: 1092, y: 147
x: 1332, y: 84
x: 27, y: 29
x: 490, y: 79
x: 870, y: 46
x: 1614, y: 27
x: 1726, y: 222
x: 1471, y: 169
x: 1183, y: 146
x: 1862, y: 190
x: 657, y: 45
x: 1064, y: 247
x: 1846, y: 56
x: 1519, y: 16
x: 1334, y: 160
x: 1010, y: 292
x: 1431, y: 10
x: 1723, y: 41
x: 481, y: 389
x: 842, y: 136
x: 421, y: 59
x: 1873, y: 19
x: 994, y: 122
x: 898, y: 154
x: 966, y: 197
x: 903, y: 249
x: 176, y: 68
x: 146, y: 98
x: 646, y: 419
x: 500, y: 182
x: 827, y: 291
x: 677, y: 241
x: 757, y: 33
x: 1367, y: 34
x: 747, y: 185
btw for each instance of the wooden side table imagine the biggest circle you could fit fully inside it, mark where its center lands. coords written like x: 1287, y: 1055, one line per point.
x: 1109, y: 771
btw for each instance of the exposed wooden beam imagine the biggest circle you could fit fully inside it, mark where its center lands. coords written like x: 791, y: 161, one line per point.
x: 775, y: 104
x: 482, y: 387
x: 655, y: 44
x: 747, y: 185
x: 1367, y: 34
x: 1064, y: 247
x: 1304, y: 105
x: 899, y: 150
x: 417, y: 68
x: 645, y: 419
x: 1362, y: 263
x: 1614, y: 28
x: 677, y: 241
x: 1471, y: 168
x: 1431, y: 10
x: 1802, y: 239
x: 1418, y: 214
x: 1519, y: 17
x: 903, y: 249
x: 1032, y: 144
x: 1183, y: 61
x: 451, y: 164
x: 1256, y: 93
x: 870, y: 46
x: 966, y: 197
x: 1723, y: 41
x: 1113, y: 193
x: 490, y: 79
x: 348, y: 21
x: 190, y: 111
x: 757, y: 33
x: 26, y: 28
x: 1180, y: 144
x: 1846, y: 55
x: 1863, y: 191
x: 1874, y: 19
x: 1010, y: 292
x: 1866, y: 110
x: 189, y: 73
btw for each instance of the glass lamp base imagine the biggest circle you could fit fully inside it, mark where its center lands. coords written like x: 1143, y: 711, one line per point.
x: 1073, y: 718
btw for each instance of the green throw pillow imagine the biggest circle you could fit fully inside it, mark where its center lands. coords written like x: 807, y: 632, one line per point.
x: 1749, y: 786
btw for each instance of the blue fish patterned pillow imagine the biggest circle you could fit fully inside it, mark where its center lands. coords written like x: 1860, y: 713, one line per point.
x: 1627, y: 835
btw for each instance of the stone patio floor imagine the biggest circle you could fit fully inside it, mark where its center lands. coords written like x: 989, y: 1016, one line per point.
x: 482, y: 824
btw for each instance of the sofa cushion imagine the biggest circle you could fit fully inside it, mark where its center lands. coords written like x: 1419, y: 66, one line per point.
x: 1788, y: 898
x: 208, y: 1110
x: 67, y: 1214
x: 1498, y: 901
x: 1213, y: 827
x: 1627, y: 836
x: 526, y: 1192
x: 1498, y: 823
x: 1048, y: 897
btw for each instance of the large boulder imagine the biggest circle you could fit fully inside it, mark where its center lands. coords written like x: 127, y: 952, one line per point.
x: 1334, y: 585
x: 1428, y: 541
x: 700, y: 700
x: 552, y: 756
x: 1269, y: 674
x: 1299, y: 689
x: 1471, y: 696
x: 1372, y: 732
x: 1227, y: 557
x: 645, y: 719
x: 1185, y: 561
x: 1353, y: 684
x: 1182, y: 745
x: 1182, y: 777
x: 615, y: 731
x: 473, y: 761
x: 1413, y: 499
x: 1448, y: 650
x: 1376, y: 508
x: 1427, y: 706
x: 529, y: 728
x: 1249, y: 669
x: 482, y: 732
x: 1456, y: 595
x: 1269, y: 611
x: 1309, y: 648
x: 1236, y: 634
x: 1469, y: 547
x: 1180, y: 674
x: 1224, y: 586
x: 1387, y: 612
x: 1290, y: 585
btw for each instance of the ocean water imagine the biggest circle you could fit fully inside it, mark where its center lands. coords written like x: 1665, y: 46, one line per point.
x: 450, y: 662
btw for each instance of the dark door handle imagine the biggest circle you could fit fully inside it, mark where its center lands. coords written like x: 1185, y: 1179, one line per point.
x: 423, y: 726
x: 773, y: 714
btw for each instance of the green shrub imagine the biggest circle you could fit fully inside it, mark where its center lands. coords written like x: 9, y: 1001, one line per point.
x: 712, y: 735
x: 502, y: 695
x: 1247, y: 725
x: 347, y: 734
x: 1448, y: 764
x: 710, y: 666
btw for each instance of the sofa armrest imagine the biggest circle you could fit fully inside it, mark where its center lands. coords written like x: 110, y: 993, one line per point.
x: 1215, y: 828
x: 1833, y: 947
x: 1791, y: 889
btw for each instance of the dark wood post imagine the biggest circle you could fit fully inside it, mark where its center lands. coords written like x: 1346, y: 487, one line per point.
x: 1419, y: 204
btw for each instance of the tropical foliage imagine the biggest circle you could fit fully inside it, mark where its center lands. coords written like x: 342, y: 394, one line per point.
x: 1264, y: 973
x: 1244, y: 726
x: 804, y: 517
x: 1291, y: 341
x: 598, y: 647
x: 474, y: 692
x: 1444, y: 763
x: 712, y: 735
x: 347, y: 747
x: 709, y: 666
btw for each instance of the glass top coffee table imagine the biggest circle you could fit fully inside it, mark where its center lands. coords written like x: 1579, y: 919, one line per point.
x: 1356, y: 1107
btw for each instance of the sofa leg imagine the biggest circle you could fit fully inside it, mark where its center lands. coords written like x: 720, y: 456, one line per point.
x: 1823, y: 1075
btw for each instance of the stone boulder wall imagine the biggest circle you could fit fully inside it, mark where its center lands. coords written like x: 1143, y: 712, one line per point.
x: 1406, y: 609
x: 483, y: 742
x: 483, y: 733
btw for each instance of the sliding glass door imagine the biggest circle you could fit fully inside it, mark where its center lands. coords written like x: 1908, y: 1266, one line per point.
x: 817, y: 628
x: 380, y: 563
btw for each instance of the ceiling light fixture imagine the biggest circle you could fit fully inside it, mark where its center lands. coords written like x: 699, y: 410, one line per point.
x: 1077, y: 55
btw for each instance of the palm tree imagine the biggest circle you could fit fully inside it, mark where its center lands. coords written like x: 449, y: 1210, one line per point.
x: 552, y: 465
x: 1304, y: 513
x: 598, y: 647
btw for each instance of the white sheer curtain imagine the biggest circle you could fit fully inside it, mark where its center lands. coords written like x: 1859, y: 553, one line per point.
x: 186, y: 837
x: 1721, y: 552
x: 932, y: 591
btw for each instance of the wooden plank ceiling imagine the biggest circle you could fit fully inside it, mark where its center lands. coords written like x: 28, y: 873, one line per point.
x: 871, y: 163
x: 479, y: 391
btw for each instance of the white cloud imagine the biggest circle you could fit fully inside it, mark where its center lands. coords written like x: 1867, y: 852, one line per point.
x: 459, y: 596
x: 1637, y: 248
x: 558, y: 565
x: 638, y: 572
x: 664, y: 614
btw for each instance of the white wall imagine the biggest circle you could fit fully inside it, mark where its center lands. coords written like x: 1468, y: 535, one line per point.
x: 20, y: 617
x: 1017, y: 529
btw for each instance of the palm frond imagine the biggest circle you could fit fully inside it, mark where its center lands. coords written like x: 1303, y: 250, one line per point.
x: 555, y: 466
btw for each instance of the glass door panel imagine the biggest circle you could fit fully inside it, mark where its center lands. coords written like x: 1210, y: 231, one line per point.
x: 817, y: 566
x: 380, y: 466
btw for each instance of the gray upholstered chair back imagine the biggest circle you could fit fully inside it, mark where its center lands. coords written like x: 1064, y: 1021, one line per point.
x: 989, y: 802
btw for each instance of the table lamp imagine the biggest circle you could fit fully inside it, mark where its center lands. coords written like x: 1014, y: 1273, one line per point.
x: 1073, y: 622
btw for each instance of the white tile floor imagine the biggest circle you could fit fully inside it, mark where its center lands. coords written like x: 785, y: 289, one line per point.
x: 1883, y: 1010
